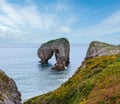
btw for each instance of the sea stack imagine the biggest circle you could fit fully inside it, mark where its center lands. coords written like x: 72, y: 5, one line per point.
x: 9, y: 93
x: 60, y: 47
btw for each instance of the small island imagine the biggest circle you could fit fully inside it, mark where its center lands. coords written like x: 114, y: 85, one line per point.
x: 59, y: 47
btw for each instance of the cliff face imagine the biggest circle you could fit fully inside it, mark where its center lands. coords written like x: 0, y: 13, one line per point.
x: 97, y: 81
x: 9, y: 93
x: 101, y: 49
x: 59, y: 47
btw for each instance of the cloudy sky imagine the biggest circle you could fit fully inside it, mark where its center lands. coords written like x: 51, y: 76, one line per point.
x: 81, y: 21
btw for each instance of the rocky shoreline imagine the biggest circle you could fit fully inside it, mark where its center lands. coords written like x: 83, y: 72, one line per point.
x: 96, y: 81
x: 9, y: 93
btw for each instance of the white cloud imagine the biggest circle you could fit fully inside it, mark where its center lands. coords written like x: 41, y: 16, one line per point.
x: 18, y: 21
x: 110, y: 25
x: 65, y: 29
x: 1, y: 33
x: 33, y: 23
x: 61, y: 6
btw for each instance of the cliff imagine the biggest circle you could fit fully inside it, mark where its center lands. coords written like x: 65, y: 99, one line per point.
x: 9, y: 93
x: 101, y: 49
x: 60, y: 47
x: 97, y: 81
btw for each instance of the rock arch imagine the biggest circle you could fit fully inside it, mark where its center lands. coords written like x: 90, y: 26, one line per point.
x: 60, y: 47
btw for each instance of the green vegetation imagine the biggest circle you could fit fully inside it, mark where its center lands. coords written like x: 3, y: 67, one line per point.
x: 102, y: 45
x: 3, y: 77
x: 97, y: 81
x: 3, y: 88
x: 1, y: 97
x: 57, y: 40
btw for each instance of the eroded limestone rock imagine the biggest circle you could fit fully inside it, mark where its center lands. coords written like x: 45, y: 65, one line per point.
x: 9, y: 93
x: 101, y: 49
x: 96, y: 81
x: 59, y: 47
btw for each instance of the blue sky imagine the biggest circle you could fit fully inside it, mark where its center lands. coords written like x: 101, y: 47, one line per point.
x: 81, y: 21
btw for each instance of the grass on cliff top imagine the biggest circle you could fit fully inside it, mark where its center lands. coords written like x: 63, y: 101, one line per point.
x: 56, y: 40
x: 97, y: 81
x: 3, y: 77
x: 100, y: 45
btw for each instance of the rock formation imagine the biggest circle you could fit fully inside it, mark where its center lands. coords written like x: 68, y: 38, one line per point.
x: 9, y: 93
x: 59, y: 47
x: 101, y: 49
x: 97, y: 81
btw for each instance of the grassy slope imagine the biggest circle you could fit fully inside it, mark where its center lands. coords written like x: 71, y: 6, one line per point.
x: 97, y: 81
x: 4, y: 86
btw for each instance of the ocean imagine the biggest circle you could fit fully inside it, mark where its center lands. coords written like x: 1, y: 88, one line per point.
x: 20, y: 62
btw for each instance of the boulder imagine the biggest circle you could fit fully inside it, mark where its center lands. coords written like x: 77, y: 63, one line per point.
x: 101, y: 49
x: 59, y: 47
x: 9, y: 93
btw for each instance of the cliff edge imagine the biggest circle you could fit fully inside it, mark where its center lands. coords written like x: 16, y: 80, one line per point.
x: 101, y: 49
x: 9, y: 93
x: 96, y: 81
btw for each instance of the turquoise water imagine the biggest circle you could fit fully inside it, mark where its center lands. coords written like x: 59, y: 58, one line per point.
x: 21, y: 63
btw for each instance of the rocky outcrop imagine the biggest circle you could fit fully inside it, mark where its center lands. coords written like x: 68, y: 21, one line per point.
x: 59, y: 47
x: 97, y: 81
x: 9, y: 93
x: 101, y: 49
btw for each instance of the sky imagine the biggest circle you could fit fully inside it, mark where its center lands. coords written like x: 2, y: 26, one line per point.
x: 80, y: 21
